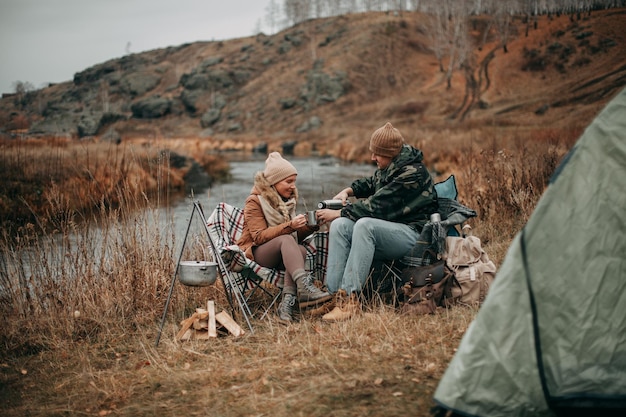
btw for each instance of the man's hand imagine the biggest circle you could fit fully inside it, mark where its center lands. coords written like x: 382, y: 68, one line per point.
x: 343, y: 195
x: 327, y: 215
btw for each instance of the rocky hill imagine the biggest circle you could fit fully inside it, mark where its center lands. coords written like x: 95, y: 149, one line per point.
x: 334, y: 79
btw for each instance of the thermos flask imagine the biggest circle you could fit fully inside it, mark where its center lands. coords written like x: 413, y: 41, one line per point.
x: 330, y: 204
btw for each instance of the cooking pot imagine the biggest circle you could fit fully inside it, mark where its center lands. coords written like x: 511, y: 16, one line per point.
x: 197, y: 273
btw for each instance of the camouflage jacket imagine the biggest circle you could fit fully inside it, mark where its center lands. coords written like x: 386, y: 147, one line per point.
x: 404, y: 192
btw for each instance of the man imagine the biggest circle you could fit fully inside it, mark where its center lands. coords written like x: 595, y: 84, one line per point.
x: 394, y: 205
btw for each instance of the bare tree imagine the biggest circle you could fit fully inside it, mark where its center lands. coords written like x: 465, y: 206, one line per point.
x: 447, y: 27
x: 502, y: 16
x: 413, y: 5
x: 330, y: 7
x: 351, y: 6
x: 437, y: 30
x: 272, y: 16
x: 317, y: 8
x: 368, y: 5
x: 257, y: 27
x: 23, y: 90
x: 459, y: 47
x: 22, y: 87
x: 296, y: 11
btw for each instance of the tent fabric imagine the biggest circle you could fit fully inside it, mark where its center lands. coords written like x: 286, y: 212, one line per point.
x: 552, y: 331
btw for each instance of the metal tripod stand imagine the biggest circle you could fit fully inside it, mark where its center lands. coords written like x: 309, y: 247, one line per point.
x: 230, y: 286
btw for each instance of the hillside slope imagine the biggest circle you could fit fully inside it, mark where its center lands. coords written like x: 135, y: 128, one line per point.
x: 334, y: 79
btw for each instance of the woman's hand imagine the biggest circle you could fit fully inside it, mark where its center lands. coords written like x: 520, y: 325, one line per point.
x: 298, y: 221
x: 327, y: 215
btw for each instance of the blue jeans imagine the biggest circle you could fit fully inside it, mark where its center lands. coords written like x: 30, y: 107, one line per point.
x: 352, y: 246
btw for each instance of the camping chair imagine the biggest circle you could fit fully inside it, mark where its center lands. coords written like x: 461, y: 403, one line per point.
x: 430, y: 245
x: 246, y: 276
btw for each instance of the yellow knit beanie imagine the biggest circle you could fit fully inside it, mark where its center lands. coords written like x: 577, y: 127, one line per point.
x: 277, y: 168
x: 386, y: 141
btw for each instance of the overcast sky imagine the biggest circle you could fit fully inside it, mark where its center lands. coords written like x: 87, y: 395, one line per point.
x: 45, y: 41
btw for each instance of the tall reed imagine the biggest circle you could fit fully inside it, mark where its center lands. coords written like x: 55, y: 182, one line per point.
x: 99, y: 252
x: 500, y: 173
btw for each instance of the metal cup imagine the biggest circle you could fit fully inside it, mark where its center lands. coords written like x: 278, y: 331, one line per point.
x: 435, y: 217
x: 311, y: 218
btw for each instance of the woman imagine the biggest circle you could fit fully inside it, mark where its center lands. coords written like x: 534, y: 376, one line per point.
x: 272, y: 233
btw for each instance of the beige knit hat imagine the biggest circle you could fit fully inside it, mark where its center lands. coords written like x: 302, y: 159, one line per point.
x: 277, y: 168
x: 386, y: 141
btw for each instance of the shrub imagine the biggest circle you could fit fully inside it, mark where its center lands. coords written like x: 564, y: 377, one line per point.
x: 534, y: 60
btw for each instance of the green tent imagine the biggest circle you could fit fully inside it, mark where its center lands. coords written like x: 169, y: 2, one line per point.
x: 550, y: 338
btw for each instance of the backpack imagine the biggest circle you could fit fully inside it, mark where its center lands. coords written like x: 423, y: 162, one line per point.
x: 473, y: 270
x: 426, y: 287
x: 462, y: 276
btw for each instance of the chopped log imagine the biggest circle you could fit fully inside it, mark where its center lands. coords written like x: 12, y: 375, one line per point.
x: 187, y: 335
x: 200, y: 335
x: 211, y: 309
x: 228, y: 322
x: 186, y: 325
x: 202, y: 313
x: 199, y: 324
x: 204, y: 324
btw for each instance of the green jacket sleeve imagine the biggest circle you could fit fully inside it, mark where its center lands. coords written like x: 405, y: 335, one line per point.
x: 405, y: 195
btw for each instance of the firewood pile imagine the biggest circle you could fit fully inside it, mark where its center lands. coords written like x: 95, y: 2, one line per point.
x: 204, y: 324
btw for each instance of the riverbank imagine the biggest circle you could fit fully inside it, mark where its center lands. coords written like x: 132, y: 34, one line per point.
x: 45, y: 180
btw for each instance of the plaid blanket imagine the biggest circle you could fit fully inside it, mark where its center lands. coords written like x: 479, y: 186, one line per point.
x: 226, y: 227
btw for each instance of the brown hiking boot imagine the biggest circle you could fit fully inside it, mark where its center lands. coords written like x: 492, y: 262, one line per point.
x: 346, y: 307
x: 321, y: 310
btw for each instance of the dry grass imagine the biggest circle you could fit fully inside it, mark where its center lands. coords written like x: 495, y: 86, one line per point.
x: 117, y: 275
x: 377, y: 364
x: 46, y: 180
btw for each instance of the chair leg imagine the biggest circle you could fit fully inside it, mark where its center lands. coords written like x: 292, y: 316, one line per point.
x: 251, y: 285
x: 396, y: 279
x: 274, y: 300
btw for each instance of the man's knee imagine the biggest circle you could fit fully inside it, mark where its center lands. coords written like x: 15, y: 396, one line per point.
x: 340, y: 226
x: 365, y: 225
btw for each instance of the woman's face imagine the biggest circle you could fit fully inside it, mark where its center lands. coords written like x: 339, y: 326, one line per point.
x: 286, y: 187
